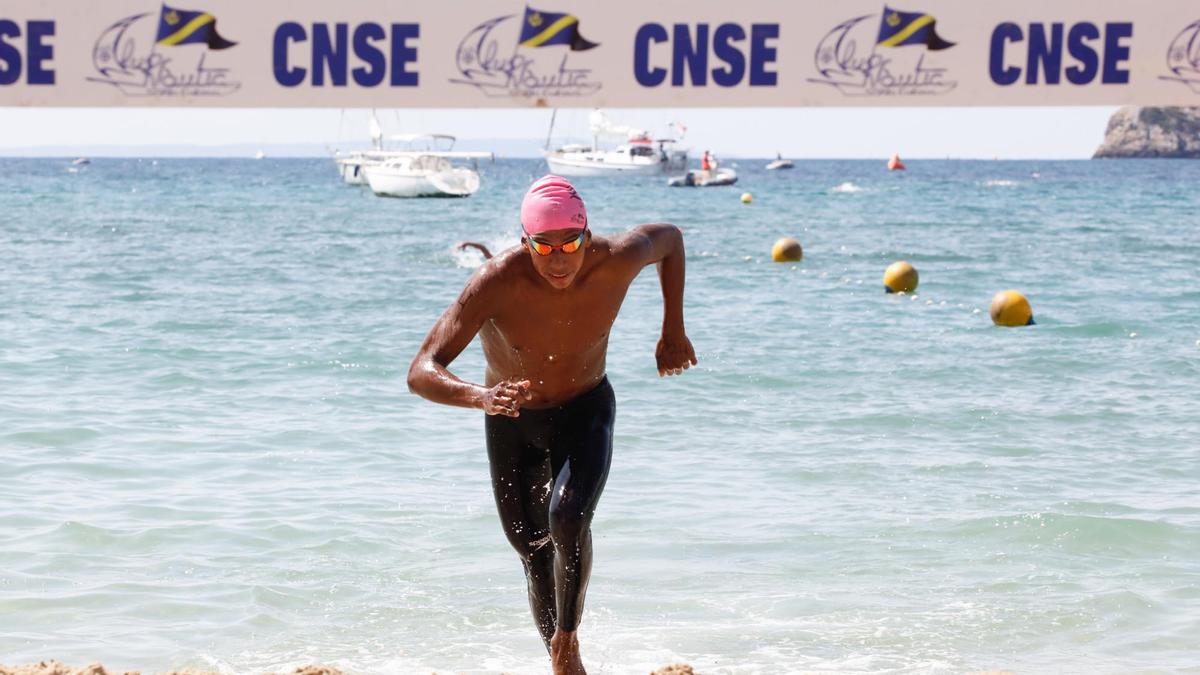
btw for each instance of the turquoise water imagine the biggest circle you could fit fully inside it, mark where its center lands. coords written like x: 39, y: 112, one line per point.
x: 210, y: 458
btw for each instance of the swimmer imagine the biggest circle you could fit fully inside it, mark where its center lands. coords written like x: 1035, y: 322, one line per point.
x: 487, y: 255
x: 543, y: 311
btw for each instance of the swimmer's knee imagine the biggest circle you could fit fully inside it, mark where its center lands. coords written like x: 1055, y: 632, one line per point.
x: 530, y: 551
x: 567, y: 526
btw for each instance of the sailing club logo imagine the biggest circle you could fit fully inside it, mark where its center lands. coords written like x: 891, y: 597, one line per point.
x: 1183, y: 58
x: 893, y: 61
x: 531, y: 60
x: 171, y: 66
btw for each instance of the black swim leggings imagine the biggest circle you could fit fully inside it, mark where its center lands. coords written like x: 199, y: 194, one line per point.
x: 548, y: 470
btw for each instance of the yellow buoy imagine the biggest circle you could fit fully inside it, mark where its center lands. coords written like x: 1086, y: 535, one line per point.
x: 1010, y: 308
x: 787, y: 250
x: 900, y: 277
x: 747, y: 197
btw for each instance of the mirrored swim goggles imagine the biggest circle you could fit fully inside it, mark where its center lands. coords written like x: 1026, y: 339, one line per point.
x: 544, y: 249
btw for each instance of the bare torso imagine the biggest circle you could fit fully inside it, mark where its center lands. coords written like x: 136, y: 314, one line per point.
x: 544, y: 321
x: 556, y: 339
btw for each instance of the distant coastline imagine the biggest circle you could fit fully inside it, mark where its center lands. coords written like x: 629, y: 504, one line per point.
x: 513, y: 148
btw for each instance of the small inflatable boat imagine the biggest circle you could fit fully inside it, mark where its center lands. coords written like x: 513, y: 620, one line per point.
x: 703, y: 178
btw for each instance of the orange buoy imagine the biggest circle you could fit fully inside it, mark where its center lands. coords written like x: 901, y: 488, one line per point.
x: 894, y: 164
x: 1011, y: 308
x: 900, y: 277
x: 787, y: 250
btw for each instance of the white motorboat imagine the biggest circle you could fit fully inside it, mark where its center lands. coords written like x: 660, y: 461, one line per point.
x: 423, y: 174
x: 780, y: 163
x: 351, y: 165
x: 702, y: 178
x: 419, y: 165
x: 628, y: 159
x: 639, y: 155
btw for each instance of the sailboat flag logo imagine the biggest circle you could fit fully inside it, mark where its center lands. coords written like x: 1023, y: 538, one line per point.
x: 858, y: 60
x: 139, y: 57
x: 506, y: 58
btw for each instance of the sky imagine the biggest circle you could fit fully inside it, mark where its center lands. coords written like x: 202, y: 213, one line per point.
x: 799, y: 133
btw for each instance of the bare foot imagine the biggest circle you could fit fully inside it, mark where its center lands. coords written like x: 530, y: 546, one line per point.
x: 564, y: 654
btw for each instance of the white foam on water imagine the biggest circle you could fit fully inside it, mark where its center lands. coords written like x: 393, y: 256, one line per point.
x: 847, y: 187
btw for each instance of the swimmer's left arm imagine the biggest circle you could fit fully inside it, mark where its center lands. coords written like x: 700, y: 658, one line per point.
x: 487, y: 255
x: 661, y: 244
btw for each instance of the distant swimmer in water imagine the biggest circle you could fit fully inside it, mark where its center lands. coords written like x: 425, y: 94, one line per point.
x: 487, y: 255
x: 543, y: 311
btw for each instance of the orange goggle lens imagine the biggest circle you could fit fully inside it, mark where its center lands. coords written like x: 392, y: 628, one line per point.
x: 542, y: 248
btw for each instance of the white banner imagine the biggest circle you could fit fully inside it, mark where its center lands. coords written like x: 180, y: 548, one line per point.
x: 620, y: 53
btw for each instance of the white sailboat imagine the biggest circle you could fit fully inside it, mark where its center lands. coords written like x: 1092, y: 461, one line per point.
x: 639, y: 155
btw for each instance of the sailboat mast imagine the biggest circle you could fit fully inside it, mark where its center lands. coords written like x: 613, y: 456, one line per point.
x: 550, y: 131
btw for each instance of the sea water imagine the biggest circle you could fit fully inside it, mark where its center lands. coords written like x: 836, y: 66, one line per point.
x: 210, y: 458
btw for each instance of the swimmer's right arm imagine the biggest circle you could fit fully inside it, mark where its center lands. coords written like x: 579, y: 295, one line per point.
x: 429, y: 375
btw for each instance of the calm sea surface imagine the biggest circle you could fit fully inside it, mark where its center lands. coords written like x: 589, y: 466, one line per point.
x: 210, y: 458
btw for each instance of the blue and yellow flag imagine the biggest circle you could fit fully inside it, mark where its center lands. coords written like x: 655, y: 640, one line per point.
x: 909, y: 28
x: 542, y: 29
x: 181, y: 27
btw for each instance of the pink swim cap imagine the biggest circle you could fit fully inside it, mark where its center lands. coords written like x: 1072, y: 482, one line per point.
x: 552, y: 204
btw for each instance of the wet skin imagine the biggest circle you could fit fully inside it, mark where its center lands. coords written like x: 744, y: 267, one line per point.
x: 544, y: 323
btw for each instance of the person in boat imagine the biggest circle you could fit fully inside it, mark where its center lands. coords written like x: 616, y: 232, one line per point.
x: 543, y: 311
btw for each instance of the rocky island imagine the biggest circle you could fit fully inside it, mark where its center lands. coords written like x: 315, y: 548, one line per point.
x: 1136, y: 131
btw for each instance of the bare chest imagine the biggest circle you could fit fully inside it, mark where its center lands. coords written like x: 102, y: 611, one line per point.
x: 554, y: 329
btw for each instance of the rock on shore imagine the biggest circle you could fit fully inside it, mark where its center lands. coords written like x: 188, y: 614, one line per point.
x: 56, y: 668
x: 1136, y: 131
